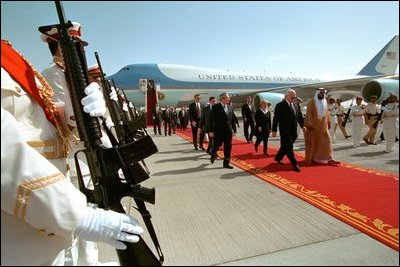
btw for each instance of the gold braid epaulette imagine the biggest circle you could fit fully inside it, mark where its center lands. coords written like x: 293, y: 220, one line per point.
x: 47, y: 93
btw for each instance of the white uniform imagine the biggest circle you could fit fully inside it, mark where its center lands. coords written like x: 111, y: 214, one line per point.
x: 340, y: 114
x: 54, y: 75
x: 332, y: 108
x: 371, y: 115
x: 390, y: 124
x: 357, y: 113
x: 40, y: 208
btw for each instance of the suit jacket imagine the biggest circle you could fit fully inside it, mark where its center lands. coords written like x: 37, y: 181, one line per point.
x: 193, y: 116
x: 205, y: 119
x: 248, y: 113
x: 222, y: 124
x: 263, y: 121
x: 287, y: 120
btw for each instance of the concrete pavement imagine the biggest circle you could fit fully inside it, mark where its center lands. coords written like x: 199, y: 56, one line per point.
x: 207, y: 215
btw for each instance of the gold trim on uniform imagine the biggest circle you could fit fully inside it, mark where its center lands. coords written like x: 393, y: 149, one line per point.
x: 46, y: 93
x: 58, y: 149
x: 25, y: 191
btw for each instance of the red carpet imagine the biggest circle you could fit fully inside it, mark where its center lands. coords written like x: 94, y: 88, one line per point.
x: 362, y: 197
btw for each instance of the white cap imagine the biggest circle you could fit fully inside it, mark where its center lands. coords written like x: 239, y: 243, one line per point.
x: 52, y: 34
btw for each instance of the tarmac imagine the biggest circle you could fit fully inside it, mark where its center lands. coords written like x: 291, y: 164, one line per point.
x: 207, y: 215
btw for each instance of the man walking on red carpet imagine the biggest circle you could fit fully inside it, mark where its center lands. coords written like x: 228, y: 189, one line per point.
x: 287, y: 115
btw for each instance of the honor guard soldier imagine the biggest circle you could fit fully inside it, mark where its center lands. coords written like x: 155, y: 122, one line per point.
x: 54, y: 75
x: 340, y: 114
x: 42, y: 213
x: 390, y: 119
x: 357, y: 112
x: 370, y: 117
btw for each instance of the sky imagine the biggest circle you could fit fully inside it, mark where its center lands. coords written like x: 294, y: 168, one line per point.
x: 318, y: 39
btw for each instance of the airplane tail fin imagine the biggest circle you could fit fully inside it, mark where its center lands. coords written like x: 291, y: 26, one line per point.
x: 385, y: 62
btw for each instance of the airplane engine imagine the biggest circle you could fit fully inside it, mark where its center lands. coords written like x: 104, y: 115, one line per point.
x: 380, y: 88
x: 273, y: 98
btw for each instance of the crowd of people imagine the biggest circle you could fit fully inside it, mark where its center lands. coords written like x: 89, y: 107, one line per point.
x: 39, y: 139
x: 322, y: 117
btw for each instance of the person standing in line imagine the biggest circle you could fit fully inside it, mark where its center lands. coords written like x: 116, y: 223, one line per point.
x: 223, y: 127
x: 205, y: 125
x: 174, y: 119
x: 318, y: 145
x: 195, y: 109
x: 340, y: 118
x: 248, y: 119
x: 263, y: 126
x: 55, y: 76
x: 370, y: 117
x: 167, y: 118
x: 157, y: 118
x: 390, y: 121
x: 38, y: 200
x: 298, y: 101
x: 357, y: 113
x: 333, y: 121
x: 183, y: 117
x: 287, y: 116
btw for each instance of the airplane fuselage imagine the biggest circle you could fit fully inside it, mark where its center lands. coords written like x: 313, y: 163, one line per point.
x: 178, y: 84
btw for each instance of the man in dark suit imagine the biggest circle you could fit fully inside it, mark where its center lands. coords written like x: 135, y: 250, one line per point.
x: 287, y: 115
x: 157, y: 117
x: 205, y: 125
x: 167, y: 118
x: 183, y: 117
x: 195, y: 109
x: 248, y: 119
x: 223, y: 128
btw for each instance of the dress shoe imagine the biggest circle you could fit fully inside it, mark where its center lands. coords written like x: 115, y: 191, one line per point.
x: 279, y: 161
x: 296, y: 168
x: 228, y: 166
x: 333, y: 162
x: 366, y: 141
x: 347, y: 136
x: 212, y: 159
x: 266, y: 154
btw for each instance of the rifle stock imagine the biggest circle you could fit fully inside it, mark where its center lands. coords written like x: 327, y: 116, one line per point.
x: 104, y: 163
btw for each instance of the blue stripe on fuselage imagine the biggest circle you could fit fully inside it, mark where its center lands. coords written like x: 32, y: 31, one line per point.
x: 128, y: 78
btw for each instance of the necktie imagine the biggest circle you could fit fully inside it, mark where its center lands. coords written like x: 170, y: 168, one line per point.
x: 198, y: 109
x: 293, y: 108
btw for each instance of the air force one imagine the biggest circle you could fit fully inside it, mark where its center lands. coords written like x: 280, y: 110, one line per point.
x: 177, y: 84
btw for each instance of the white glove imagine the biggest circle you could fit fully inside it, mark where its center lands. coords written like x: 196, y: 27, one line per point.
x: 93, y: 103
x: 108, y: 226
x: 113, y: 94
x: 109, y: 123
x: 125, y: 107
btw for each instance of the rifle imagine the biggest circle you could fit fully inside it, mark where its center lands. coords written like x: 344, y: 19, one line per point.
x: 346, y: 117
x: 104, y: 163
x: 122, y: 130
x: 375, y: 125
x: 133, y: 122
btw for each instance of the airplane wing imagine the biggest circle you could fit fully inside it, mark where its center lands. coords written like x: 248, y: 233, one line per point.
x: 378, y: 78
x: 345, y: 89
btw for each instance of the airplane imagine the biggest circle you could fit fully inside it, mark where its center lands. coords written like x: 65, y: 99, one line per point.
x: 177, y: 84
